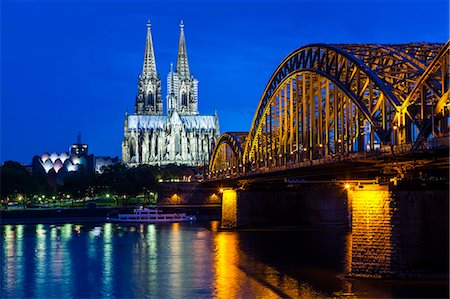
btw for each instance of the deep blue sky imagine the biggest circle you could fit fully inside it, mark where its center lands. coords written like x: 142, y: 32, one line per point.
x: 71, y: 66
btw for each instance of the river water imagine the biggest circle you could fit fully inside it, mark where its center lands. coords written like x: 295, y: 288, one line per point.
x: 186, y: 260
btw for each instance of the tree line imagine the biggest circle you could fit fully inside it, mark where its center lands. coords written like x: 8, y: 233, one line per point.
x: 119, y: 180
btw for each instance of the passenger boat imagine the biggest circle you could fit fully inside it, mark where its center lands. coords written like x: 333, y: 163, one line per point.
x: 147, y: 215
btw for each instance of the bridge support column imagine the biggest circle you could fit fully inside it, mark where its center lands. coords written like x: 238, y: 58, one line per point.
x: 399, y: 231
x: 229, y: 208
x: 375, y: 248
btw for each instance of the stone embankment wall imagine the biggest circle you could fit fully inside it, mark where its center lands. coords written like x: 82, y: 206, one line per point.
x: 191, y: 193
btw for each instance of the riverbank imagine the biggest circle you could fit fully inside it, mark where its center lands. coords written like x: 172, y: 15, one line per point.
x: 97, y: 214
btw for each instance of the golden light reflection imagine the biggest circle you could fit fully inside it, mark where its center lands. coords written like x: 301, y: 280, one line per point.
x: 229, y: 208
x: 175, y: 226
x: 176, y: 261
x: 238, y: 275
x: 225, y: 266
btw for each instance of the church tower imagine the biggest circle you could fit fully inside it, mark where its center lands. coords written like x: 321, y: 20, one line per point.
x: 182, y: 137
x: 182, y: 88
x: 149, y: 98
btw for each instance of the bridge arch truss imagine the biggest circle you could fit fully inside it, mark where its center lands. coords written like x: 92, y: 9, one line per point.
x: 329, y: 100
x: 226, y: 159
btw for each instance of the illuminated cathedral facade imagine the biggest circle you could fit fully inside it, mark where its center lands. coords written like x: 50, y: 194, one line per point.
x: 182, y: 136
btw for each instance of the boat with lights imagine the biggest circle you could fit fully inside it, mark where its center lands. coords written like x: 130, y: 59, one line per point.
x: 142, y: 214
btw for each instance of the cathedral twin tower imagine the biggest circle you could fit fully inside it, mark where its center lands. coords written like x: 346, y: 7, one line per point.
x: 181, y: 137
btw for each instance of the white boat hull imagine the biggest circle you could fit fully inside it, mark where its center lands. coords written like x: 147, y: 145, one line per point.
x: 145, y: 215
x: 115, y: 219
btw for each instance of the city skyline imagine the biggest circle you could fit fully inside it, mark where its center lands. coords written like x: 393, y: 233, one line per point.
x: 73, y: 67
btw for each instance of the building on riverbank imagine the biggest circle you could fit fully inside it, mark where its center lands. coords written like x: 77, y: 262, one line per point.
x: 56, y: 166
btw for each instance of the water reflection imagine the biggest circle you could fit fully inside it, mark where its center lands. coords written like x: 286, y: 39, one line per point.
x: 107, y: 260
x: 175, y: 262
x: 181, y: 261
x: 226, y: 262
x: 13, y: 252
x: 152, y: 257
x: 202, y: 250
x: 239, y: 274
x: 40, y: 273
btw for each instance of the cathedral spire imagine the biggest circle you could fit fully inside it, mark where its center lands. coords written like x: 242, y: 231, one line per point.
x: 182, y: 61
x: 149, y: 66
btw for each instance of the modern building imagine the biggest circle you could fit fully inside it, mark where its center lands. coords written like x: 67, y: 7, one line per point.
x: 79, y: 148
x: 57, y: 166
x: 182, y: 136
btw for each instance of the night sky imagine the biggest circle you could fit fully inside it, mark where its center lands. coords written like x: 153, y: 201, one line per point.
x: 73, y: 66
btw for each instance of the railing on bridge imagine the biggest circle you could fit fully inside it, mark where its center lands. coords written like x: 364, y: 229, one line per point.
x: 328, y: 103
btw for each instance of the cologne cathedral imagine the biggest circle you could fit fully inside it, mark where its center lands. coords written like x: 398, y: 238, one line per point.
x: 182, y: 136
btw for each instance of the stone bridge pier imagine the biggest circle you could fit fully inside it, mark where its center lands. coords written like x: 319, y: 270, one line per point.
x: 399, y: 231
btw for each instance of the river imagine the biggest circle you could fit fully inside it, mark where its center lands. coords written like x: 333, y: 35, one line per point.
x: 185, y: 260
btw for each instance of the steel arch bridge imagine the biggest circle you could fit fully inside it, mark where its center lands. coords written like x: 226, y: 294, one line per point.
x: 328, y: 100
x: 228, y: 152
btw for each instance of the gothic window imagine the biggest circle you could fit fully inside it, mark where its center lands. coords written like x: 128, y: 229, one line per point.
x: 150, y: 99
x: 177, y: 144
x: 188, y: 145
x: 203, y: 146
x: 156, y: 146
x: 132, y: 149
x: 149, y: 145
x: 139, y: 153
x: 183, y: 99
